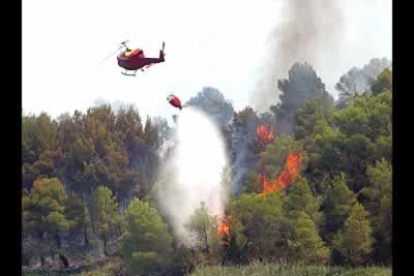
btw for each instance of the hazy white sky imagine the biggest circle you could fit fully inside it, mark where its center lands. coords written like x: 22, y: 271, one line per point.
x: 208, y: 43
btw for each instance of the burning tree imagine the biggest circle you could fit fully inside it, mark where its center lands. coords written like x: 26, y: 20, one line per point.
x: 223, y: 230
x: 289, y: 174
x: 276, y: 156
x: 264, y: 135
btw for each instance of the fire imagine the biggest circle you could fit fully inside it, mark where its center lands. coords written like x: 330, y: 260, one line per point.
x: 269, y: 186
x: 263, y: 136
x: 224, y: 230
x: 293, y: 163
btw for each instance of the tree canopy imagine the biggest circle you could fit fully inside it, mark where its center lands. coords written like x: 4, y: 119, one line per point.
x: 309, y: 182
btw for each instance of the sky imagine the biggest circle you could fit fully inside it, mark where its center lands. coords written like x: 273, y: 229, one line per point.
x: 208, y: 43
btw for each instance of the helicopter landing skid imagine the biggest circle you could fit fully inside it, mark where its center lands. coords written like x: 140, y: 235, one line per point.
x: 130, y: 75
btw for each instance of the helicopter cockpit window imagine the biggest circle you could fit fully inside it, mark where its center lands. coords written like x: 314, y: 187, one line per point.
x: 133, y: 53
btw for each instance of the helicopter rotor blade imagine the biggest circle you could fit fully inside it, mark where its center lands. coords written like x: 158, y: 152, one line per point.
x: 120, y: 45
x: 111, y: 55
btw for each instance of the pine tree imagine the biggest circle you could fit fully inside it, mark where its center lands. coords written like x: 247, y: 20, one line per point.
x: 303, y: 84
x: 104, y: 214
x: 338, y: 203
x: 44, y: 215
x: 307, y: 245
x: 258, y: 227
x: 204, y: 227
x: 383, y: 82
x: 378, y: 201
x: 300, y: 199
x: 354, y: 241
x: 146, y: 244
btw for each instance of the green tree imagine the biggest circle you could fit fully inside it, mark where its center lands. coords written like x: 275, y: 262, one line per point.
x: 130, y: 131
x: 33, y: 242
x: 149, y: 158
x: 299, y: 198
x: 104, y: 214
x: 358, y: 151
x: 128, y: 127
x: 44, y: 214
x: 146, y: 244
x: 383, y: 82
x: 378, y: 193
x: 40, y: 151
x: 357, y: 81
x: 338, y: 203
x: 378, y: 201
x: 383, y: 148
x: 354, y: 241
x: 39, y: 133
x: 77, y: 212
x: 313, y: 112
x: 307, y: 245
x: 77, y: 150
x: 257, y: 228
x: 359, y: 134
x: 325, y: 158
x: 108, y: 165
x: 204, y: 227
x: 352, y: 120
x: 352, y: 84
x: 184, y: 261
x: 370, y: 117
x: 303, y: 84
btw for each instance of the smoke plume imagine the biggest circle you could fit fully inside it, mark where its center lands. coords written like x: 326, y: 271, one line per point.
x: 308, y: 31
x: 194, y: 171
x: 212, y: 102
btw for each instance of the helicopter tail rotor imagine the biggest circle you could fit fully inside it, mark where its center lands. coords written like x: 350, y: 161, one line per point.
x: 162, y: 53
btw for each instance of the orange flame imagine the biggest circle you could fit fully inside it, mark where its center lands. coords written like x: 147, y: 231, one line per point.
x: 293, y: 163
x: 263, y: 136
x: 269, y: 186
x: 224, y: 230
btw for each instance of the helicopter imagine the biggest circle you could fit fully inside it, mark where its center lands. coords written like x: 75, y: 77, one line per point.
x: 134, y: 59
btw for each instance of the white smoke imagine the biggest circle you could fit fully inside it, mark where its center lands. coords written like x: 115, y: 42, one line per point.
x: 193, y: 173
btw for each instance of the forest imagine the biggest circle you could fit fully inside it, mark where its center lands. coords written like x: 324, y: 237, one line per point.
x: 310, y: 182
